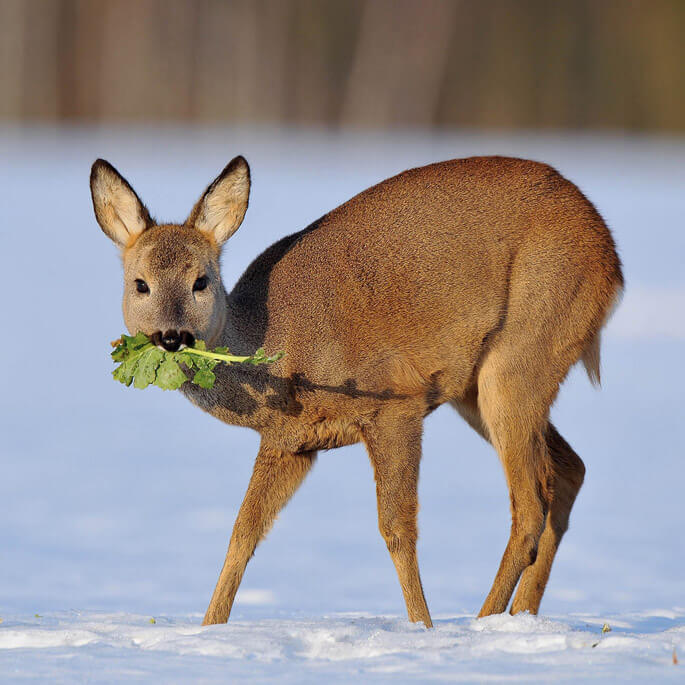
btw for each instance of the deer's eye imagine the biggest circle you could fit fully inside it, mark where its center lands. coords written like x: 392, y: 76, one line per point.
x: 200, y: 283
x: 142, y: 286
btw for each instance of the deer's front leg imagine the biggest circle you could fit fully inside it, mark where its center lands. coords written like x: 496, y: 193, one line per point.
x: 275, y: 478
x: 394, y: 446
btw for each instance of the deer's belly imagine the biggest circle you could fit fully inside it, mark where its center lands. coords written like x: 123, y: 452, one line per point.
x: 319, y: 433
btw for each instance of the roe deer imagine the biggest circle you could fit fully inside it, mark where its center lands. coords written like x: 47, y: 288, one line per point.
x: 477, y: 282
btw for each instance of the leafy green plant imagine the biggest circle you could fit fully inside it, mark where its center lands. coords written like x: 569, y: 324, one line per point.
x: 142, y: 363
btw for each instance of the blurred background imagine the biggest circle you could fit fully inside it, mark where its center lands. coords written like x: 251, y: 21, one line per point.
x: 561, y: 64
x: 124, y: 500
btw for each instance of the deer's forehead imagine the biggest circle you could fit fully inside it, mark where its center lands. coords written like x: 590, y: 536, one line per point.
x: 162, y: 248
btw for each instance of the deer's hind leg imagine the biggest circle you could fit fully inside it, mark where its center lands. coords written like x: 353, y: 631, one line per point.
x: 513, y: 408
x: 568, y: 473
x: 393, y: 441
x: 554, y: 311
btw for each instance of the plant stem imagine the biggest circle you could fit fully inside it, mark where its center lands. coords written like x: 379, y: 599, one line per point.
x: 228, y: 358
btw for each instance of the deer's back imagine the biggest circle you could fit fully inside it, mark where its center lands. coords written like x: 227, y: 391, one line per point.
x: 407, y: 280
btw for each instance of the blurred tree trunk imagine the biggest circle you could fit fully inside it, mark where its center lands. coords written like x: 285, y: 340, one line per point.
x: 147, y: 59
x: 489, y: 63
x: 399, y: 63
x: 12, y: 29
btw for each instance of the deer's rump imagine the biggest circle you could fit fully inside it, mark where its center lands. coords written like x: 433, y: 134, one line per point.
x: 418, y: 275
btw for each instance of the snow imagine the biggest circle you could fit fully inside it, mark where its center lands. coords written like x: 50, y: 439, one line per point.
x: 338, y: 647
x: 117, y: 504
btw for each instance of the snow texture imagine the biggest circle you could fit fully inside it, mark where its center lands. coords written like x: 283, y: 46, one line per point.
x: 118, y: 504
x: 338, y: 648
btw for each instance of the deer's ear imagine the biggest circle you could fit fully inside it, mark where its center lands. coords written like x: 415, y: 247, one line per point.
x: 220, y: 211
x: 118, y: 210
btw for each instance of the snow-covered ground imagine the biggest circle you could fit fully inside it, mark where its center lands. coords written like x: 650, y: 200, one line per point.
x: 99, y: 647
x: 117, y: 504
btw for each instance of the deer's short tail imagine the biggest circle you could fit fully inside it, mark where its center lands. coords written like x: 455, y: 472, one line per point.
x: 591, y: 357
x: 591, y: 354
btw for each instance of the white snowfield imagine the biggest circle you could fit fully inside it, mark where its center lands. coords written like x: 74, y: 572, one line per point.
x: 117, y: 504
x: 338, y: 648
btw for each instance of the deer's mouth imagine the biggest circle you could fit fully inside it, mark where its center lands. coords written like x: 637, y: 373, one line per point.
x: 173, y: 340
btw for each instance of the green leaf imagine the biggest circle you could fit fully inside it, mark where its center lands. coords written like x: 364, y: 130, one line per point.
x: 205, y: 364
x: 119, y: 353
x: 204, y: 378
x: 134, y: 342
x: 141, y: 363
x: 129, y: 346
x: 183, y: 357
x: 146, y: 370
x: 170, y: 376
x: 125, y: 372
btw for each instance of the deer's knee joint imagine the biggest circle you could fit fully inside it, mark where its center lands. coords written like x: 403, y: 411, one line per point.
x: 397, y: 532
x: 393, y: 542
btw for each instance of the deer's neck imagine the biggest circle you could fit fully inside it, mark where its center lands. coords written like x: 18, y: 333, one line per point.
x: 240, y: 390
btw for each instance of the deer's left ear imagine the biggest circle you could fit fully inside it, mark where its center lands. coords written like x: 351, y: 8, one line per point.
x: 220, y: 211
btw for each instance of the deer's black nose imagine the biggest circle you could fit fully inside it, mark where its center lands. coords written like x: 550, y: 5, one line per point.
x: 171, y: 341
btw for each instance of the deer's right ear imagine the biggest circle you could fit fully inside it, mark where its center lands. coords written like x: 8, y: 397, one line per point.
x: 118, y: 210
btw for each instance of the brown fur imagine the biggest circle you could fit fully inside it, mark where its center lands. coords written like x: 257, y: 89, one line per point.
x: 478, y: 282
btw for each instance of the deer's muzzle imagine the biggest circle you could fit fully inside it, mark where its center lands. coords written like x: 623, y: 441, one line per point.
x: 172, y: 339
